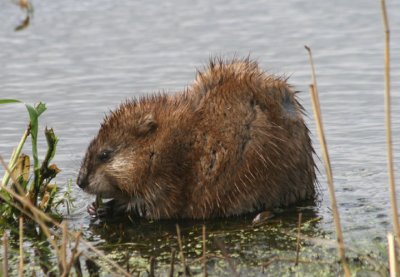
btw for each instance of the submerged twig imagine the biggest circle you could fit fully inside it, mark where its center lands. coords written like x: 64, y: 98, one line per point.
x: 388, y: 125
x: 298, y: 240
x: 328, y: 168
x: 221, y: 246
x: 152, y: 266
x: 178, y: 232
x: 171, y: 272
x: 204, y: 252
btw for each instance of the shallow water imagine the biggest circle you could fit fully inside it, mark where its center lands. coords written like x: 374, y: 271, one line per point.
x: 83, y: 59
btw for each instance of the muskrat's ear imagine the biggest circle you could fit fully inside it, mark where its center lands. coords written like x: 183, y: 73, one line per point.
x: 146, y: 125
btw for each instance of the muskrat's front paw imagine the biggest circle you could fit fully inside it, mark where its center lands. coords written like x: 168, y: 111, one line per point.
x: 104, y: 211
x: 92, y: 210
x: 98, y: 212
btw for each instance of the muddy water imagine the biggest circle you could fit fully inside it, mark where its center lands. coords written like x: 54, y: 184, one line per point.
x: 83, y: 59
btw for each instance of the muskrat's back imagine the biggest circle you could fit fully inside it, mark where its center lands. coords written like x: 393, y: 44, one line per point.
x: 232, y: 143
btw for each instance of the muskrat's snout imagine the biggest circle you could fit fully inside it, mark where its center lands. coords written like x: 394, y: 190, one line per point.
x: 82, y: 180
x: 94, y: 177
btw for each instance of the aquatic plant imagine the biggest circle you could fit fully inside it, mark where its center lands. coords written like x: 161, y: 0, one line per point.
x: 28, y: 201
x: 38, y: 188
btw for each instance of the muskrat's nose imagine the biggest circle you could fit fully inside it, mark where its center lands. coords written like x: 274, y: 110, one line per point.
x: 81, y: 181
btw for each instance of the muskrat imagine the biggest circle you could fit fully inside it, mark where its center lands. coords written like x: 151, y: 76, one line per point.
x: 233, y: 142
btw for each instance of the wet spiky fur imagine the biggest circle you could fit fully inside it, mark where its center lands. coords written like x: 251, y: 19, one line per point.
x: 233, y: 142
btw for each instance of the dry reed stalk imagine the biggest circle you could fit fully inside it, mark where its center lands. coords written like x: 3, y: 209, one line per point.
x: 205, y: 274
x: 298, y: 240
x: 63, y: 248
x: 21, y: 248
x: 74, y: 256
x: 34, y: 216
x: 37, y: 215
x: 328, y: 168
x: 388, y: 125
x: 41, y: 218
x: 5, y: 255
x: 221, y: 246
x: 392, y: 255
x: 171, y: 272
x: 178, y: 232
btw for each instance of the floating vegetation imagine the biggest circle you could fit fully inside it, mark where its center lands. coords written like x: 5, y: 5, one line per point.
x: 27, y: 7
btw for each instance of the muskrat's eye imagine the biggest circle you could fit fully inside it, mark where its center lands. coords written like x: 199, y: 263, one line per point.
x: 104, y: 155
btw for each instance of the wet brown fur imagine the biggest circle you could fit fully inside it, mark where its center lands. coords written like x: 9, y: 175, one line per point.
x: 233, y: 142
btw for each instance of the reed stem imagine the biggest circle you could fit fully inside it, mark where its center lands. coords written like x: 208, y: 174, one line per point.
x: 21, y: 248
x: 388, y: 125
x: 63, y: 249
x: 392, y: 255
x: 328, y: 168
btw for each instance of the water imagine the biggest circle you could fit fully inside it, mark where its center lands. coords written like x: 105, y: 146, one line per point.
x: 83, y: 59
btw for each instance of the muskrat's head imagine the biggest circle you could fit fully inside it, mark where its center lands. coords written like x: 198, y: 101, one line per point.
x: 119, y: 159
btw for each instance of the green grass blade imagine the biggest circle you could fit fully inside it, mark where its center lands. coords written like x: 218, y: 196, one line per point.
x: 9, y: 101
x: 14, y: 157
x: 40, y: 108
x: 34, y: 113
x: 33, y: 116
